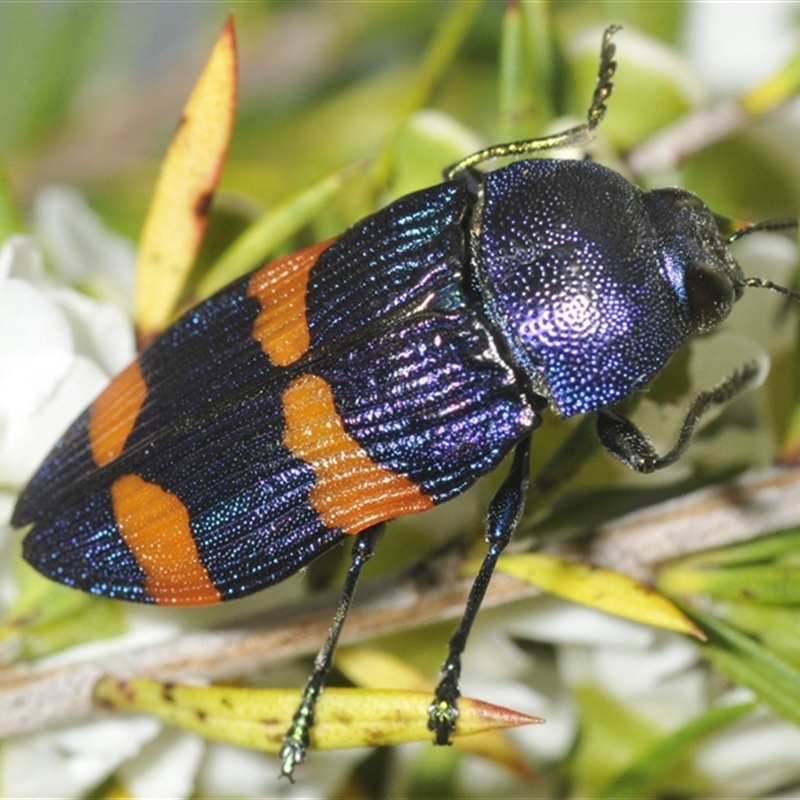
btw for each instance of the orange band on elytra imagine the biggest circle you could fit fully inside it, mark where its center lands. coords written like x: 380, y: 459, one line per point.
x: 114, y: 414
x: 350, y: 490
x: 281, y: 327
x: 154, y: 524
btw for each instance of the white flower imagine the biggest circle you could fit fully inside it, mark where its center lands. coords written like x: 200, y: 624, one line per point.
x: 57, y: 350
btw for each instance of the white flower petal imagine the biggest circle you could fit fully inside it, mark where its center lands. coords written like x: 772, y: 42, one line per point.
x: 35, y: 347
x: 235, y: 772
x: 736, y: 45
x: 632, y: 672
x: 21, y: 257
x: 492, y: 654
x: 755, y: 757
x: 101, y: 331
x: 25, y: 441
x: 166, y: 766
x: 82, y: 248
x: 71, y: 761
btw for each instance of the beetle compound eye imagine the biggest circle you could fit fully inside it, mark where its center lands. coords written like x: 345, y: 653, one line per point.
x: 710, y: 294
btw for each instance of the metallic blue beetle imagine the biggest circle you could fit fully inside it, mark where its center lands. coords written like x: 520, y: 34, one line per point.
x: 428, y: 339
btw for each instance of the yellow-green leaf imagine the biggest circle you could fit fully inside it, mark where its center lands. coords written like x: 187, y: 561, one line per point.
x: 47, y: 617
x: 178, y: 214
x: 603, y: 589
x: 774, y: 91
x: 778, y: 584
x: 259, y: 718
x: 372, y: 668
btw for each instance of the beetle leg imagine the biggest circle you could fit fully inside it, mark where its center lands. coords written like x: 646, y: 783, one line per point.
x: 298, y: 737
x: 504, y: 514
x: 630, y: 445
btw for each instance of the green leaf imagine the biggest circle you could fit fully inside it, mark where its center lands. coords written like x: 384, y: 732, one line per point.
x: 777, y: 628
x: 650, y: 76
x: 668, y: 756
x: 784, y: 546
x: 48, y: 617
x: 518, y: 109
x: 266, y: 234
x: 10, y: 220
x: 449, y: 36
x: 46, y: 53
x: 747, y: 662
x: 765, y: 570
x: 738, y: 177
x: 767, y: 583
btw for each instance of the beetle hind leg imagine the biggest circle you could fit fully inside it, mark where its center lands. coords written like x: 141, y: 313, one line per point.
x: 503, y: 516
x: 298, y: 737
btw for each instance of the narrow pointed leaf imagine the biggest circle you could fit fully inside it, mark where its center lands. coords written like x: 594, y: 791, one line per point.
x: 603, y: 589
x: 782, y: 546
x: 178, y: 214
x: 259, y: 718
x: 273, y: 229
x: 449, y: 37
x: 749, y: 663
x: 777, y: 628
x: 651, y: 768
x: 371, y: 668
x: 774, y: 91
x: 516, y: 102
x: 774, y: 584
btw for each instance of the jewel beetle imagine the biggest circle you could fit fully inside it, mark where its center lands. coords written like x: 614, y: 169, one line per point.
x: 379, y: 374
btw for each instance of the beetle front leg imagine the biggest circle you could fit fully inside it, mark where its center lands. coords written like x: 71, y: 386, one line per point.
x: 630, y: 445
x: 502, y: 518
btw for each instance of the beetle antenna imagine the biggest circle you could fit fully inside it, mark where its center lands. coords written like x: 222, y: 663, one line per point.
x: 574, y: 137
x: 763, y: 283
x: 737, y: 230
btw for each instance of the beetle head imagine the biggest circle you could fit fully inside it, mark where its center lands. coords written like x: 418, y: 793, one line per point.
x: 591, y: 282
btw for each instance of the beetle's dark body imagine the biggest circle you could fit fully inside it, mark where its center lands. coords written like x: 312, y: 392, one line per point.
x: 378, y: 375
x: 441, y: 324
